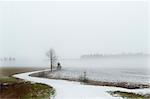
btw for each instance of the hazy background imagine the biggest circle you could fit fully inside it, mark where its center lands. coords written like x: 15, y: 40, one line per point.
x: 29, y: 29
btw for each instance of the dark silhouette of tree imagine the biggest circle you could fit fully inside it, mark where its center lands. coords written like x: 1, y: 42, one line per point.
x: 52, y: 58
x: 5, y: 58
x: 10, y: 59
x: 13, y: 58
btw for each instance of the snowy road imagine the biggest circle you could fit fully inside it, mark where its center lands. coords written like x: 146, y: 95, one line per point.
x: 74, y: 90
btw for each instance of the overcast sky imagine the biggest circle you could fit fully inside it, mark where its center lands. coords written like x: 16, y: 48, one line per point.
x: 29, y: 29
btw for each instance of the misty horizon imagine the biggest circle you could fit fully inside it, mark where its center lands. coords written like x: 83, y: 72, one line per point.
x: 30, y: 29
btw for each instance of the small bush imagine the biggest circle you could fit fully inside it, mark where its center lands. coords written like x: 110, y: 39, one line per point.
x: 83, y: 78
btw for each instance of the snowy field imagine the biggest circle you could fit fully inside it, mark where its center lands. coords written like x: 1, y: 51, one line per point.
x: 119, y: 69
x: 74, y: 90
x: 108, y: 75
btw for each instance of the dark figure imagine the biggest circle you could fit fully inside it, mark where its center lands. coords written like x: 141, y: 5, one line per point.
x: 58, y: 66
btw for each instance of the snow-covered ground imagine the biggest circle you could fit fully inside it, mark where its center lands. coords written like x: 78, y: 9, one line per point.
x: 74, y: 90
x: 108, y: 75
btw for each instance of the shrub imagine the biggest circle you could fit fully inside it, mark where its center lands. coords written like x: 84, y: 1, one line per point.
x: 83, y: 78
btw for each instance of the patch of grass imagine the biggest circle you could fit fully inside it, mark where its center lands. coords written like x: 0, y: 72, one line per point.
x: 39, y: 91
x: 8, y: 71
x: 128, y: 95
x: 6, y: 79
x: 19, y: 89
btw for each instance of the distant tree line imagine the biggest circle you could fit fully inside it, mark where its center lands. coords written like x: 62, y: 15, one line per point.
x: 110, y: 55
x: 7, y: 59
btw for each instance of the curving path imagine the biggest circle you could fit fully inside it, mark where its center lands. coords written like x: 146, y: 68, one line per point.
x: 74, y: 90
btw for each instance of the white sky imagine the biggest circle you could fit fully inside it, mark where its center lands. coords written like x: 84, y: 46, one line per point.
x: 29, y: 29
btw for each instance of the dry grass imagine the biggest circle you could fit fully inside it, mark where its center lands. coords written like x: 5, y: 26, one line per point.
x: 129, y: 95
x: 8, y: 71
x: 12, y: 88
x: 24, y: 90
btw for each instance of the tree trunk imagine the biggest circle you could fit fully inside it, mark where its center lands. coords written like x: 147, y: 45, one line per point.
x: 51, y: 60
x: 51, y: 64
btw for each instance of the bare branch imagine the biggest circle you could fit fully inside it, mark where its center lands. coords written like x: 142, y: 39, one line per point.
x: 52, y: 57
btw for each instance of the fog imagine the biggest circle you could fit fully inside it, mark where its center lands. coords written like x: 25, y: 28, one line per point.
x: 29, y: 29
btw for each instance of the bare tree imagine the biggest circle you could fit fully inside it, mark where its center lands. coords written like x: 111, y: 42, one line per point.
x: 52, y: 58
x: 10, y: 59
